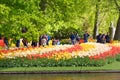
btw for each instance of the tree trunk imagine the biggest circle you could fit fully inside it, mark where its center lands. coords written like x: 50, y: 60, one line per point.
x: 117, y: 32
x: 112, y: 30
x: 95, y: 31
x: 43, y: 5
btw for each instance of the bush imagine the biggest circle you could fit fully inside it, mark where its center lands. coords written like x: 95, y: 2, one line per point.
x: 65, y: 41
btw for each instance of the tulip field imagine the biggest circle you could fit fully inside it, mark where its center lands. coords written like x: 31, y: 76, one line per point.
x: 84, y: 54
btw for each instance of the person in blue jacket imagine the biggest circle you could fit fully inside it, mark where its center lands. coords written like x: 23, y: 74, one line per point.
x: 99, y: 39
x: 86, y: 36
x: 107, y: 37
x: 72, y: 37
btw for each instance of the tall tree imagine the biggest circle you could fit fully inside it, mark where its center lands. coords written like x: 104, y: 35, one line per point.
x: 117, y: 33
x: 47, y: 16
x: 43, y: 4
x: 96, y: 26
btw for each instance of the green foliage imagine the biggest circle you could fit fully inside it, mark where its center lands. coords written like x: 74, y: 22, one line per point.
x: 44, y: 62
x: 4, y: 17
x: 48, y: 16
x: 65, y: 41
x: 118, y: 57
x: 111, y: 59
x: 66, y: 32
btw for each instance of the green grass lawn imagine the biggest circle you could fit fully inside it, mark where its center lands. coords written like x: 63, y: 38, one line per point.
x: 112, y: 66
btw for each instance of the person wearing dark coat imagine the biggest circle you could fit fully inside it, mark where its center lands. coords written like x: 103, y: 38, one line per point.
x: 6, y: 42
x: 25, y: 43
x: 72, y: 37
x: 86, y: 36
x: 107, y: 37
x: 99, y: 38
x: 34, y: 43
x: 18, y: 43
x: 103, y: 40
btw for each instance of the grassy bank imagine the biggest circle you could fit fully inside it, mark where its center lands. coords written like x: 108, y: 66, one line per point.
x: 112, y: 66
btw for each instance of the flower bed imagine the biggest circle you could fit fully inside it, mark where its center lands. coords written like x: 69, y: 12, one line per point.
x: 85, y: 54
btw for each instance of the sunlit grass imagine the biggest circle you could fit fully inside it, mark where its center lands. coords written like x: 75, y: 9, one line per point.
x: 112, y: 66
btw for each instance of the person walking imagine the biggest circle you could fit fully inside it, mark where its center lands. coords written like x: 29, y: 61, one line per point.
x: 86, y: 36
x: 72, y: 37
x: 107, y: 37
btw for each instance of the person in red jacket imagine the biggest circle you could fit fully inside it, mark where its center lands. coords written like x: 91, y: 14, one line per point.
x: 2, y: 44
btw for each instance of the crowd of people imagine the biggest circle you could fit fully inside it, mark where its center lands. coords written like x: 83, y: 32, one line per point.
x: 47, y: 40
x: 43, y: 41
x: 75, y: 38
x: 103, y: 38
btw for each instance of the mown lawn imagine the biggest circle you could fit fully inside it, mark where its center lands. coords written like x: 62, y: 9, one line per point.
x: 112, y: 66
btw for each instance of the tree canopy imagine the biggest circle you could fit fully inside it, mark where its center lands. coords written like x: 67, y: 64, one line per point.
x: 39, y: 17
